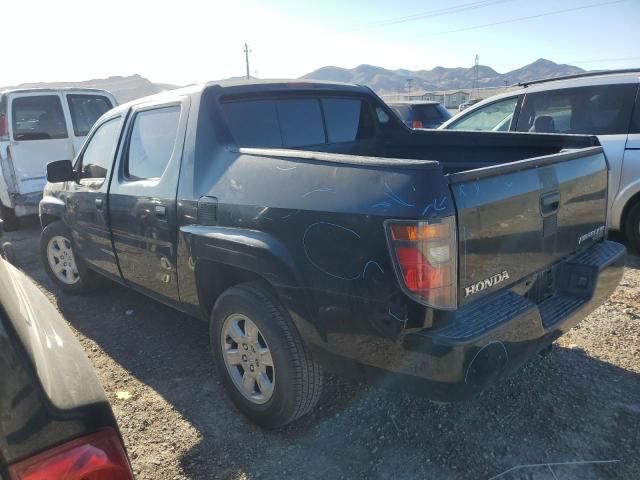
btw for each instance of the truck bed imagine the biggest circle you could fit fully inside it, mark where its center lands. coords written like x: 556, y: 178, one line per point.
x: 458, y: 151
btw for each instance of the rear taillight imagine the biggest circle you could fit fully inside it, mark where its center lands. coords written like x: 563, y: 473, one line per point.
x: 100, y: 456
x: 417, y: 124
x: 424, y: 255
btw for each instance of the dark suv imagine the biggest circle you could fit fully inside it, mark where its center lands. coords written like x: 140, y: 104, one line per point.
x: 421, y: 114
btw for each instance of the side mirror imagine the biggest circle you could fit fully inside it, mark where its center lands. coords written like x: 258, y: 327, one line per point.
x: 60, y: 171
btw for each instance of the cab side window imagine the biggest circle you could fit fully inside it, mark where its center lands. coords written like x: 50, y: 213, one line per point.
x: 97, y: 157
x: 152, y: 141
x: 496, y: 116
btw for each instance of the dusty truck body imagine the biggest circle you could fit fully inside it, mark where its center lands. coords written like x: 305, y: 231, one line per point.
x: 318, y: 233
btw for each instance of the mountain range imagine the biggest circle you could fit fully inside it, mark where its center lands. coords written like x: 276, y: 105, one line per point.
x: 380, y: 79
x: 440, y: 78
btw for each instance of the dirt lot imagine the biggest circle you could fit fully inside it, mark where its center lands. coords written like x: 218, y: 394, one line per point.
x: 581, y: 403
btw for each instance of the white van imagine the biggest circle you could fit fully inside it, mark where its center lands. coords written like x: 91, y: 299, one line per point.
x: 38, y: 126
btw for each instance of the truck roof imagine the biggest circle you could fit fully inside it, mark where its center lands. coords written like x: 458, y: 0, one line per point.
x: 244, y: 86
x: 46, y: 89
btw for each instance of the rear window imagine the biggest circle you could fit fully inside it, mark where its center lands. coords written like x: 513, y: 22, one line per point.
x: 430, y: 114
x: 38, y: 117
x: 598, y: 110
x: 85, y: 110
x: 300, y: 122
x: 403, y: 112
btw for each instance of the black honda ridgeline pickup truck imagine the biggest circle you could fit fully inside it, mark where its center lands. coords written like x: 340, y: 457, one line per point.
x: 317, y: 233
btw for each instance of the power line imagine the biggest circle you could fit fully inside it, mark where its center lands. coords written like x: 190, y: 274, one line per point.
x: 602, y: 60
x: 437, y: 13
x: 529, y: 17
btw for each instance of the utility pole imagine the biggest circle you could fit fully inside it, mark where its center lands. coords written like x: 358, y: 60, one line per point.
x: 409, y: 87
x: 246, y: 59
x: 475, y: 87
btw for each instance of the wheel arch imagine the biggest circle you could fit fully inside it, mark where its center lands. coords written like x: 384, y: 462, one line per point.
x: 51, y: 209
x: 213, y: 278
x: 629, y: 204
x: 224, y: 257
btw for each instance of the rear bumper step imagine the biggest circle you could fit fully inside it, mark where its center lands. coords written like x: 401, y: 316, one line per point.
x: 484, y: 342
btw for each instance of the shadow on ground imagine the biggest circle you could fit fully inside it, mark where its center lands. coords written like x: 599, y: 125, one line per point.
x: 564, y: 407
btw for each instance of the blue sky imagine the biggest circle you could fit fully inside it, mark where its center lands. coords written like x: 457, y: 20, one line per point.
x: 190, y: 41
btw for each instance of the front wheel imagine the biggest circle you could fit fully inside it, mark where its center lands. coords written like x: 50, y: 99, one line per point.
x: 266, y: 369
x: 63, y: 266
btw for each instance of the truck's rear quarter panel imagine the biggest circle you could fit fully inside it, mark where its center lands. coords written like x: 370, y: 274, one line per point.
x: 329, y: 218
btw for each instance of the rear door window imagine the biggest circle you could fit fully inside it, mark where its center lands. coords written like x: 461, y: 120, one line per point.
x: 85, y: 110
x: 496, y: 116
x: 153, y: 138
x: 38, y: 117
x: 596, y: 110
x: 297, y: 122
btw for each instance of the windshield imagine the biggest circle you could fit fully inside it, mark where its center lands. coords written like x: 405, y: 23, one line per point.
x: 496, y: 116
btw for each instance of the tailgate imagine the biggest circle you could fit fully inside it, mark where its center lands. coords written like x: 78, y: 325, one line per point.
x: 519, y: 218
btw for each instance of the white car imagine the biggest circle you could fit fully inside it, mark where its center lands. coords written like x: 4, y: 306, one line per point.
x: 38, y: 126
x: 606, y: 104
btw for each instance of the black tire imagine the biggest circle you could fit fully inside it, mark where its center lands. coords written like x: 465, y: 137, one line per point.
x: 87, y: 278
x: 632, y: 228
x: 11, y: 223
x: 298, y: 378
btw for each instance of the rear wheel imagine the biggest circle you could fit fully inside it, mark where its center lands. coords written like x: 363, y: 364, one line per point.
x: 632, y: 228
x: 9, y: 219
x: 266, y: 369
x: 63, y: 266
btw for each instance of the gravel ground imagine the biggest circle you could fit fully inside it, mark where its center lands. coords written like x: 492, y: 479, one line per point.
x: 580, y: 403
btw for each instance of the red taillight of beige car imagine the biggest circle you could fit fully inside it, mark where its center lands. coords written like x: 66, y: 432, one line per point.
x: 416, y: 124
x: 99, y: 456
x: 425, y: 259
